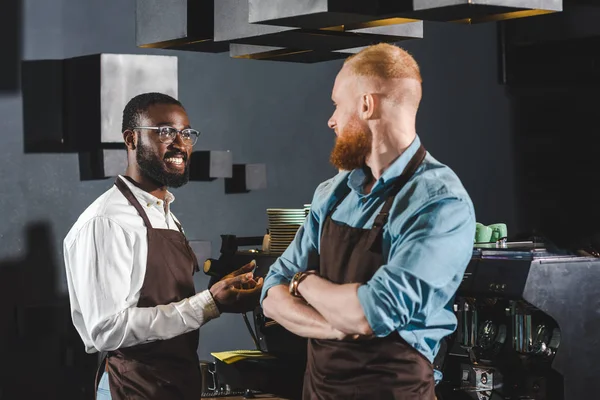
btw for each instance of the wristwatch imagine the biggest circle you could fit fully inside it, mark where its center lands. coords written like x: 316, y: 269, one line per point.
x: 299, y: 277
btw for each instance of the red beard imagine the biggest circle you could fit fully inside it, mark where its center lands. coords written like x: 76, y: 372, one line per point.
x: 352, y: 147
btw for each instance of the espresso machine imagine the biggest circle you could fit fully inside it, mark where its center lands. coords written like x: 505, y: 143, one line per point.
x: 528, y: 326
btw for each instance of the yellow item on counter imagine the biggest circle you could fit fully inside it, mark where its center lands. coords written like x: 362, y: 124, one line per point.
x: 229, y: 357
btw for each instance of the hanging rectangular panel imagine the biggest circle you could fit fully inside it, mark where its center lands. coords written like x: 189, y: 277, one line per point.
x: 231, y: 25
x: 102, y: 163
x: 11, y: 32
x: 43, y: 124
x: 256, y: 176
x: 312, y: 14
x: 176, y: 24
x: 469, y: 11
x: 253, y: 52
x: 275, y: 53
x: 394, y: 27
x: 246, y: 177
x: 114, y: 162
x: 208, y: 165
x: 325, y: 13
x: 97, y: 88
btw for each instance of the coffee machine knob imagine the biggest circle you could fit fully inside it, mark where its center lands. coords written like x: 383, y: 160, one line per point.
x: 211, y: 267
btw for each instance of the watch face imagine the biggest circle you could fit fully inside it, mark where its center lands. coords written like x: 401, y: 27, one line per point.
x: 294, y: 284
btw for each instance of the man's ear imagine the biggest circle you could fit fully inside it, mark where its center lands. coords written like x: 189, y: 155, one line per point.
x: 130, y: 138
x: 368, y: 106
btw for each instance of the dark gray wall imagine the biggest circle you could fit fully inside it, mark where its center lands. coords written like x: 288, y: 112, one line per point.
x: 265, y: 112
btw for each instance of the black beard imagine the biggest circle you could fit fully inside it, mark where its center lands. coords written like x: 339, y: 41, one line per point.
x: 153, y: 168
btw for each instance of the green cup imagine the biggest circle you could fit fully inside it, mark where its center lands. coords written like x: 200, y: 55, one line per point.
x: 483, y: 234
x: 499, y: 231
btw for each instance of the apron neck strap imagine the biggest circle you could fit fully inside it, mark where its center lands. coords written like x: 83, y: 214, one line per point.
x: 123, y: 188
x: 382, y: 218
x: 177, y: 224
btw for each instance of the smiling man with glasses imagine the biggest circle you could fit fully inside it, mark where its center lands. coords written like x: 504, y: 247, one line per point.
x: 129, y: 266
x: 164, y: 162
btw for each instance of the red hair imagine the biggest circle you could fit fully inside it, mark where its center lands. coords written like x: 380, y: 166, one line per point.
x: 384, y: 61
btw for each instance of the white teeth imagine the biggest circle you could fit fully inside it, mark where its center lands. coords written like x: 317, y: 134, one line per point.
x: 174, y: 160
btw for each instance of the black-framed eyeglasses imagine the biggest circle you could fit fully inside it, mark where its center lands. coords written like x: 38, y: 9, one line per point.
x: 167, y: 134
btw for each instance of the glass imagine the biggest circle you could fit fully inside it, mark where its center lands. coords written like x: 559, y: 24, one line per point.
x: 167, y: 134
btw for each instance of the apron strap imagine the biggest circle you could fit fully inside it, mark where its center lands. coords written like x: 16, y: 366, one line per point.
x: 177, y: 224
x: 134, y: 202
x: 381, y: 219
x: 187, y: 244
x: 341, y: 192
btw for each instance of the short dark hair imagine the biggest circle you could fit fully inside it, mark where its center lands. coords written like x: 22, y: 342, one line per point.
x: 140, y: 104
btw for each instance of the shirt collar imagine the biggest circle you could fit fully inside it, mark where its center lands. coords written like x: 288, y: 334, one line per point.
x: 145, y: 198
x: 357, y: 177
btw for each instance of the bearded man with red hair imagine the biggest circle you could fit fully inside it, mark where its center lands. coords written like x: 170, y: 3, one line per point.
x: 370, y: 277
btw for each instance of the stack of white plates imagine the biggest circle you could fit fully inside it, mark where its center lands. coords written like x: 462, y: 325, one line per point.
x: 283, y: 225
x: 306, y: 209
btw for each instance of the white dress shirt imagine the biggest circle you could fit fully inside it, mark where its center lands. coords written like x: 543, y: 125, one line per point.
x: 105, y: 259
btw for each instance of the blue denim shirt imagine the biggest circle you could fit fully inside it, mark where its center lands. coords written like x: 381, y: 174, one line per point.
x: 427, y: 244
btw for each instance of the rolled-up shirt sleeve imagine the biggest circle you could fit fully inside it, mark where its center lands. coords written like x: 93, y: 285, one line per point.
x: 427, y: 259
x: 99, y: 264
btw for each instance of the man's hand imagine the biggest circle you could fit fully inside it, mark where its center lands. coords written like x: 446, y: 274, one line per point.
x: 244, y: 270
x: 237, y: 292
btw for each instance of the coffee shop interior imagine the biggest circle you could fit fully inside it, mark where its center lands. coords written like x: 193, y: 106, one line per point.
x: 509, y: 103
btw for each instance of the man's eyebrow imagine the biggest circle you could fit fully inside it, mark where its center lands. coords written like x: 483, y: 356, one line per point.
x: 171, y: 124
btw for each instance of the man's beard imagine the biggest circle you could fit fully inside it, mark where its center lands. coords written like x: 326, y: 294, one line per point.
x: 154, y: 168
x: 352, y: 147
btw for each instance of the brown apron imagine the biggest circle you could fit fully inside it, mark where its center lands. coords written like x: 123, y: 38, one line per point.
x: 163, y: 369
x: 377, y: 369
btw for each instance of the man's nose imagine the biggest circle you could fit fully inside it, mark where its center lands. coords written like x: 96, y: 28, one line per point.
x: 178, y: 142
x: 331, y: 123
